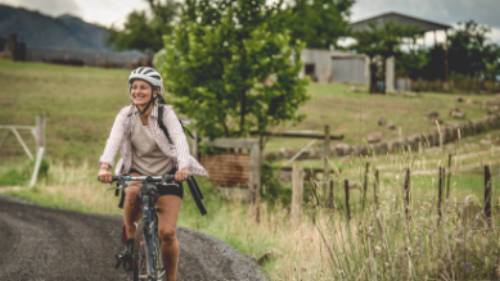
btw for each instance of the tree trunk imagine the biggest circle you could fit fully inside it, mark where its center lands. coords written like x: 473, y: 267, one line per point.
x: 384, y: 68
x: 373, y: 76
x: 242, y: 112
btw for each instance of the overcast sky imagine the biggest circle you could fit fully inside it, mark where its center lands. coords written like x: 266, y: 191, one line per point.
x: 107, y: 12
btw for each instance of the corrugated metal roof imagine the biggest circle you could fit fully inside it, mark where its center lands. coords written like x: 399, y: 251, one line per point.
x: 382, y: 19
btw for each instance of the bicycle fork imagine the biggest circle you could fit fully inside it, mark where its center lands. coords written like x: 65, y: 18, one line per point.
x: 152, y: 249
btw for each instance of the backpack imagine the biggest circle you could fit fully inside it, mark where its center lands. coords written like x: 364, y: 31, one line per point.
x: 164, y: 128
x: 191, y: 181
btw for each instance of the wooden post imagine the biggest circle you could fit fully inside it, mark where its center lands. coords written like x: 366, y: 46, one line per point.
x: 448, y: 176
x: 255, y: 181
x: 297, y: 191
x: 406, y: 188
x: 347, y: 206
x: 440, y: 133
x: 40, y: 148
x: 326, y: 156
x: 441, y: 179
x: 365, y: 185
x: 40, y: 131
x: 376, y: 187
x: 331, y: 203
x: 487, y: 194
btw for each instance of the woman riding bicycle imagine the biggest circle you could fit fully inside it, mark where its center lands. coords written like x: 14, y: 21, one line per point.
x: 146, y: 150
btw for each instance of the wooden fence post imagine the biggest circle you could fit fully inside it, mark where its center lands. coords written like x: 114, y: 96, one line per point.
x: 40, y: 148
x: 255, y: 181
x: 326, y: 156
x: 406, y: 188
x: 440, y: 134
x: 448, y: 176
x: 376, y: 187
x: 365, y: 185
x: 331, y: 199
x: 441, y: 178
x: 487, y: 194
x: 347, y: 206
x: 40, y: 131
x: 297, y: 191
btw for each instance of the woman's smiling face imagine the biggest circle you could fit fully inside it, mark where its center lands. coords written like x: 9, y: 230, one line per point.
x: 141, y: 92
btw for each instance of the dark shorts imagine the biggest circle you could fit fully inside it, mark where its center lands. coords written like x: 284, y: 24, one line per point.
x: 171, y: 189
x: 177, y: 190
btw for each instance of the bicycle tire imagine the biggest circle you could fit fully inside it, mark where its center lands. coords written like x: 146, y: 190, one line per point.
x: 140, y: 262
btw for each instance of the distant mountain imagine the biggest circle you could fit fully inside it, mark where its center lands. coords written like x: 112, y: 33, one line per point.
x: 41, y: 31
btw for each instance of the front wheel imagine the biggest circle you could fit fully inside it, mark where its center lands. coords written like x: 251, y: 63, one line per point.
x: 147, y: 257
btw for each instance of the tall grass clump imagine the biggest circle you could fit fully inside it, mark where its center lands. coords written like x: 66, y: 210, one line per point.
x: 386, y: 244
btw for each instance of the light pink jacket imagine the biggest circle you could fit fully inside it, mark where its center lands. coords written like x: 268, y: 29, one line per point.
x: 120, y: 138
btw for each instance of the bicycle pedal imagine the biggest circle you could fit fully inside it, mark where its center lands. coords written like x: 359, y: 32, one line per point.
x: 125, y: 261
x: 118, y: 261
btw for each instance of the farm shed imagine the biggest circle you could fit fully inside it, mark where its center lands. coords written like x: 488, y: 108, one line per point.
x: 398, y: 18
x: 426, y: 26
x: 326, y: 66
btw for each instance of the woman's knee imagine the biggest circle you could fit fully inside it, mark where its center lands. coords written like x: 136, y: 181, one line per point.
x: 131, y: 193
x: 168, y: 233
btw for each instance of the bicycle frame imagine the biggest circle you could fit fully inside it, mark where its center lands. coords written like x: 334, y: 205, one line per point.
x: 151, y: 245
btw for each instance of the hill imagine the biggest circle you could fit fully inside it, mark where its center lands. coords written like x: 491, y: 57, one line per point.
x: 41, y: 31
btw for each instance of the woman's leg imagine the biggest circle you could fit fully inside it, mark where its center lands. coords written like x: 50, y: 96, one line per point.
x: 168, y: 211
x: 131, y: 208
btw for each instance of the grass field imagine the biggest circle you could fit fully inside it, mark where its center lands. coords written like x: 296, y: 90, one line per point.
x: 376, y: 244
x: 80, y: 104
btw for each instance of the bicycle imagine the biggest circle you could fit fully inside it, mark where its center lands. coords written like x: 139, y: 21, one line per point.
x: 147, y: 263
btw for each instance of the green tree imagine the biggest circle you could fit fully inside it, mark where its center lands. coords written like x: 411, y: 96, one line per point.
x: 470, y: 53
x: 411, y: 63
x: 231, y: 70
x: 145, y: 33
x: 382, y: 42
x: 318, y: 23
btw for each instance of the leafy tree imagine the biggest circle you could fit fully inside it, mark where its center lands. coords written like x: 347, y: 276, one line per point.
x: 470, y: 53
x: 318, y: 23
x: 145, y: 33
x: 382, y: 42
x: 411, y: 63
x: 231, y: 70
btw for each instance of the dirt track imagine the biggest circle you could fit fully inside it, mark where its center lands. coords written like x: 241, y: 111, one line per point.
x: 38, y: 244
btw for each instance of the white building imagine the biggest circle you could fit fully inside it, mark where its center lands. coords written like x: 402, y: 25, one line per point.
x: 326, y: 66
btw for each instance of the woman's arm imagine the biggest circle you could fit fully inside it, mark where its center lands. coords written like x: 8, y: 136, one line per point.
x: 178, y: 138
x: 114, y: 140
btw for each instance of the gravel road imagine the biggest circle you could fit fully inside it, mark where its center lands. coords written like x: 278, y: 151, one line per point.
x: 40, y: 244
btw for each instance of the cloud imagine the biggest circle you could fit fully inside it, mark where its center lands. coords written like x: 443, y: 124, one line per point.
x: 495, y: 35
x: 50, y: 7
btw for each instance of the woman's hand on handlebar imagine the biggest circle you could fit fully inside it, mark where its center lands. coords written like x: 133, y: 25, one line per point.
x: 105, y: 174
x: 181, y: 174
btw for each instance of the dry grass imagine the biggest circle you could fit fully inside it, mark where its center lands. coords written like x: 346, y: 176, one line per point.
x: 374, y: 245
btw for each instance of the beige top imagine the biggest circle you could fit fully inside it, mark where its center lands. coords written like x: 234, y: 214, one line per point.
x: 147, y: 158
x: 120, y: 138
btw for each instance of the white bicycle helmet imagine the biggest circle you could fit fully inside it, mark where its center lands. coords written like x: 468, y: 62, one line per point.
x: 147, y: 74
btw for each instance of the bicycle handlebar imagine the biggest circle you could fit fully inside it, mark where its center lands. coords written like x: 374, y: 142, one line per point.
x: 193, y: 187
x: 165, y: 178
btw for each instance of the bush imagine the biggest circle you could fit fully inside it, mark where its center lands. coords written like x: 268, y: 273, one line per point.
x: 273, y: 190
x: 22, y: 174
